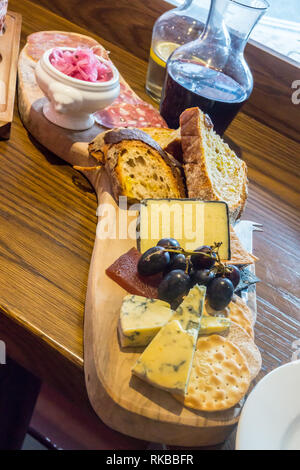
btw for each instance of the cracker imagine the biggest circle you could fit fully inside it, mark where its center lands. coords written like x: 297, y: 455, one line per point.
x: 238, y: 302
x: 220, y: 375
x: 238, y: 336
x: 237, y: 311
x: 239, y: 256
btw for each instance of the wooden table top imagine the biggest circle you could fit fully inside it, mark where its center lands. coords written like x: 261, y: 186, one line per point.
x: 48, y: 222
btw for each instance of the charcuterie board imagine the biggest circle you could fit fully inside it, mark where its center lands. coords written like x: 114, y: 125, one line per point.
x: 122, y: 401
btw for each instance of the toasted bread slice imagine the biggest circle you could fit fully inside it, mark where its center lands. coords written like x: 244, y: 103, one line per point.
x: 212, y: 169
x: 137, y: 165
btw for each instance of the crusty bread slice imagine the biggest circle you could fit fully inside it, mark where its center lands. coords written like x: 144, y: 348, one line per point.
x: 212, y: 169
x: 168, y: 139
x: 137, y: 165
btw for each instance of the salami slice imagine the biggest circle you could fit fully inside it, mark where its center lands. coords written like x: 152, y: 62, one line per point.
x: 38, y: 43
x: 130, y: 115
x: 127, y: 95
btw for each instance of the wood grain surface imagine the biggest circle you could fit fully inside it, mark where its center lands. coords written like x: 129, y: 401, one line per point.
x: 48, y: 222
x: 131, y: 29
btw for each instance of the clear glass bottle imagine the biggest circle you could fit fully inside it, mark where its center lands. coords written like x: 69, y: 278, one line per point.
x: 174, y: 28
x: 211, y: 72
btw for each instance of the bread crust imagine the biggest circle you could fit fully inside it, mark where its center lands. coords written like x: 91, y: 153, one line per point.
x: 194, y: 124
x: 114, y: 167
x: 108, y: 146
x: 96, y: 147
x: 168, y: 139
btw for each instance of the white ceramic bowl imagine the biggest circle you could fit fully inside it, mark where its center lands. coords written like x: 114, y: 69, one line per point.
x: 72, y: 102
x: 270, y: 419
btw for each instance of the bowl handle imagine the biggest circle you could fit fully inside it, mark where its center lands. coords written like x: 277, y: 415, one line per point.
x: 64, y: 99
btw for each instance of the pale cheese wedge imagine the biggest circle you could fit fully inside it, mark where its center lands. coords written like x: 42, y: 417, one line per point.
x: 141, y: 319
x: 190, y: 310
x: 210, y: 325
x: 166, y: 362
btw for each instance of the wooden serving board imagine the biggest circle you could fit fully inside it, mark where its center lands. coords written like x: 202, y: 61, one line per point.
x: 9, y: 50
x: 123, y: 402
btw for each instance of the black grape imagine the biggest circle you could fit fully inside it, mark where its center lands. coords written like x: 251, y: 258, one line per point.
x: 203, y: 276
x: 233, y: 273
x: 219, y: 293
x: 202, y: 261
x: 153, y: 261
x: 174, y: 285
x: 179, y: 261
x: 169, y: 243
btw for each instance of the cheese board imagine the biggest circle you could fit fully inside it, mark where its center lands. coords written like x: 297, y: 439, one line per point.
x: 121, y: 400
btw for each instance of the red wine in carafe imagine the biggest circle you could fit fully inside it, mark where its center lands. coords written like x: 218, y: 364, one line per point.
x: 190, y: 84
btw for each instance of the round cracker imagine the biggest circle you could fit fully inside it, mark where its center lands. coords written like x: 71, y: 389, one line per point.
x: 237, y: 301
x: 238, y: 336
x: 220, y: 375
x: 238, y: 314
x: 237, y: 311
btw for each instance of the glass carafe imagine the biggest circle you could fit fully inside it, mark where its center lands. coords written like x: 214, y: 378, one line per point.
x: 211, y: 72
x: 172, y: 29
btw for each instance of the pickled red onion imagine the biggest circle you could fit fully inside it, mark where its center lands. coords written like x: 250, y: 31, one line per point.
x: 82, y: 64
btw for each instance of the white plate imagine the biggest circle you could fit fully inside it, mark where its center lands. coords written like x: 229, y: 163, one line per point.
x: 270, y: 419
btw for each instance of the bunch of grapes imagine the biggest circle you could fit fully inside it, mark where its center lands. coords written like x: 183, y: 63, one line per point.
x: 182, y: 269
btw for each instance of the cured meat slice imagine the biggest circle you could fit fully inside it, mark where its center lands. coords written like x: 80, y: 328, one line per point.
x: 125, y: 114
x: 129, y: 110
x: 38, y: 43
x: 127, y: 95
x: 124, y: 272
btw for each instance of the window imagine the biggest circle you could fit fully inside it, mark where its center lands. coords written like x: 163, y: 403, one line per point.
x: 278, y: 29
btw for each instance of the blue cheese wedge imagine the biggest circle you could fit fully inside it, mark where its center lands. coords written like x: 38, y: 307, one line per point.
x: 191, y: 222
x: 212, y: 325
x: 190, y: 310
x: 166, y: 363
x: 141, y: 319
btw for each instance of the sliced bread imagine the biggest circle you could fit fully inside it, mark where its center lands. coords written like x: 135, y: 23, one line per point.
x: 137, y: 165
x: 212, y: 169
x: 168, y: 139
